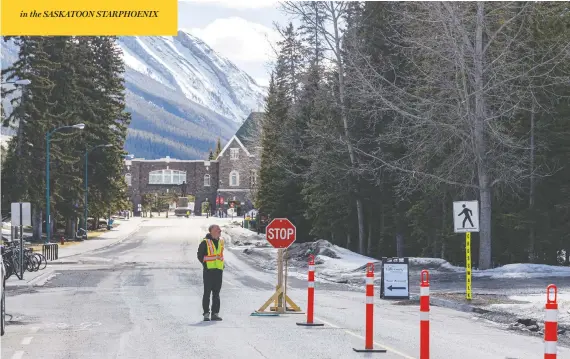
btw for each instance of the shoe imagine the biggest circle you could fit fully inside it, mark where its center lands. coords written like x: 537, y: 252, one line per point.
x: 206, y: 317
x: 216, y: 317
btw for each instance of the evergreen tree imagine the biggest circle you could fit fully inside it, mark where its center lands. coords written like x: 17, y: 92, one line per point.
x: 24, y: 175
x: 73, y: 80
x: 218, y: 149
x: 271, y: 197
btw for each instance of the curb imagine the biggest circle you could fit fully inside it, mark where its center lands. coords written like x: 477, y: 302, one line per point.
x: 126, y: 236
x: 29, y: 283
x: 445, y: 303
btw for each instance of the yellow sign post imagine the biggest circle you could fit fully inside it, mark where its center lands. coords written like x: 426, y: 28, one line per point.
x: 468, y: 293
x: 466, y: 220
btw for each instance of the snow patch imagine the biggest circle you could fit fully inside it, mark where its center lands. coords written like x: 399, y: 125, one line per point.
x: 534, y: 308
x: 332, y: 263
x: 337, y: 264
x: 524, y: 270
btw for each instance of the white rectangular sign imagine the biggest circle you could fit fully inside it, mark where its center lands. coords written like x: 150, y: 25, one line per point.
x: 26, y: 214
x: 466, y: 216
x: 396, y: 280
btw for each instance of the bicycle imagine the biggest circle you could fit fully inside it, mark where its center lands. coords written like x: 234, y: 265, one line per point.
x: 32, y: 261
x: 12, y: 263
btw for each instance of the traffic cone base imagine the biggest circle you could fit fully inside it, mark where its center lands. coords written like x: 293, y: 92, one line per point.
x: 369, y: 350
x: 311, y: 324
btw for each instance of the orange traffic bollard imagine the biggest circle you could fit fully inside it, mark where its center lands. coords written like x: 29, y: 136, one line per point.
x: 311, y: 295
x: 424, y: 315
x: 369, y: 340
x: 551, y: 323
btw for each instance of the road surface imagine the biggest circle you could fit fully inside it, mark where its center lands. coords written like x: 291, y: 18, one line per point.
x: 142, y: 299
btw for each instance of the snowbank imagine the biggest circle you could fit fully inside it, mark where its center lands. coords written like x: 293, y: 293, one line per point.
x: 333, y: 263
x: 524, y: 270
x: 534, y: 308
x: 337, y: 264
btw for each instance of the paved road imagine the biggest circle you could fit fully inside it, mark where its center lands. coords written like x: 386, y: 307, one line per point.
x: 141, y: 299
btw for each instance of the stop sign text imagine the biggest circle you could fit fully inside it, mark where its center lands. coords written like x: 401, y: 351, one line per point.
x: 281, y: 233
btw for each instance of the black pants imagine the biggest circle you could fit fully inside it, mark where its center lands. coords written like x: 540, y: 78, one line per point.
x: 212, y: 285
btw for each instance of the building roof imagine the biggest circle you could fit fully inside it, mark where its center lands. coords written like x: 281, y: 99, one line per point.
x: 234, y: 137
x: 250, y: 129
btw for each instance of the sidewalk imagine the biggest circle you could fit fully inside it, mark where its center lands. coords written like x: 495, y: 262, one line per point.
x: 114, y: 236
x: 30, y: 279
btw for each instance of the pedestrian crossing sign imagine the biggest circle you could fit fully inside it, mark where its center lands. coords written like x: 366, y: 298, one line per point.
x: 466, y: 216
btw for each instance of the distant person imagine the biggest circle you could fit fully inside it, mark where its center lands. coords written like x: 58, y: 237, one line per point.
x: 211, y: 255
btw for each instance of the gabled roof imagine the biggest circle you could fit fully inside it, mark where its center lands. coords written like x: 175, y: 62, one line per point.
x: 246, y: 134
x: 234, y: 137
x: 249, y: 130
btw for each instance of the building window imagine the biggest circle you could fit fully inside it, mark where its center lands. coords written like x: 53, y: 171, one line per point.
x: 253, y: 177
x: 128, y: 179
x: 166, y: 177
x: 234, y: 178
x: 206, y: 180
x: 234, y: 153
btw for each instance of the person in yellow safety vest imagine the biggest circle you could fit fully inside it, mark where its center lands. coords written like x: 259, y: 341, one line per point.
x: 211, y: 255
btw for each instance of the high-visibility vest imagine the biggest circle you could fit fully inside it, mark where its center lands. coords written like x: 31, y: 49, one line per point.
x: 214, y: 258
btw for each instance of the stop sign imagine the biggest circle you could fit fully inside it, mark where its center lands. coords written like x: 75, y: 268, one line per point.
x: 281, y: 233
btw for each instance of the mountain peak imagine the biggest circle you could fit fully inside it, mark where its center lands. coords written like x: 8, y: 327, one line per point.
x: 187, y: 64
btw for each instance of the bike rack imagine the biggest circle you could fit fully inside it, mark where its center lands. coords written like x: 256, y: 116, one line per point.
x: 50, y: 251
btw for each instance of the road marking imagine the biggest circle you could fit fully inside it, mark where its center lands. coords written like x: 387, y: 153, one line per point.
x: 392, y: 350
x: 27, y: 340
x: 18, y: 355
x: 34, y: 330
x: 230, y: 283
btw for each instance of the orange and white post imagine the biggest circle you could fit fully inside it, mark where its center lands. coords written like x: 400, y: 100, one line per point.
x: 551, y: 323
x: 424, y: 315
x: 369, y: 339
x: 311, y: 295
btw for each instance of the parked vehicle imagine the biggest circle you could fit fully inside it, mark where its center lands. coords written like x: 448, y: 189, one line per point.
x: 81, y: 233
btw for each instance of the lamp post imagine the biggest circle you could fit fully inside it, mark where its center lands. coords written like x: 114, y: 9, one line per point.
x: 126, y: 158
x: 79, y: 126
x: 85, y: 206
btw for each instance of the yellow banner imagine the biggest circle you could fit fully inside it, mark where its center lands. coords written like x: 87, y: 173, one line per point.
x: 89, y: 17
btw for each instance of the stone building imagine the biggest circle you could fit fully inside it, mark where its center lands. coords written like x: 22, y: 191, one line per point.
x: 229, y: 180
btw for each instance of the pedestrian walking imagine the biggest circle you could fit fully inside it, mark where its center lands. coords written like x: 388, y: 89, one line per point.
x: 211, y: 255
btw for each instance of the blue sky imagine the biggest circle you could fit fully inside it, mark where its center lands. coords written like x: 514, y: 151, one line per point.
x: 241, y: 30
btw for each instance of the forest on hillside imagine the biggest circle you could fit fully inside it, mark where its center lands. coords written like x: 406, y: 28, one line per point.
x: 381, y: 114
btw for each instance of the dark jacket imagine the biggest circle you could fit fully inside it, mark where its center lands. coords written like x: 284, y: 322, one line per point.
x: 203, y: 250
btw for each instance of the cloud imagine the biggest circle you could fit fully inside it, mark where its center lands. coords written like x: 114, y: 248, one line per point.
x: 237, y: 4
x: 238, y: 39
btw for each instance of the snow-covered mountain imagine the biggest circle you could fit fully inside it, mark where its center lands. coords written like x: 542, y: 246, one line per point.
x: 185, y: 63
x: 181, y: 93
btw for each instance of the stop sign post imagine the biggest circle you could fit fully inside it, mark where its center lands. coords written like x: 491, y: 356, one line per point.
x: 281, y: 233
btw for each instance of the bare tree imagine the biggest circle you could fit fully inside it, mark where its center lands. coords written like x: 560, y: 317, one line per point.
x: 469, y: 75
x: 329, y: 23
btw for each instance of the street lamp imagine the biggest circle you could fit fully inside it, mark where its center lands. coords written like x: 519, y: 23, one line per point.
x: 79, y: 126
x: 85, y: 209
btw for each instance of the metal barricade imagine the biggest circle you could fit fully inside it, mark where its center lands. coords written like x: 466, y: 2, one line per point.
x: 50, y: 251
